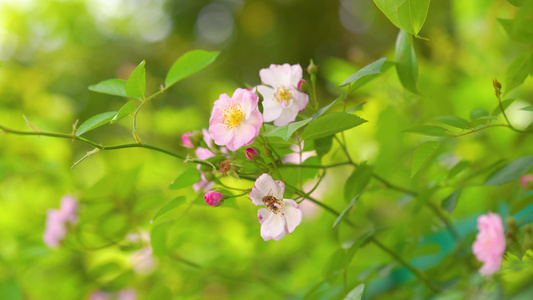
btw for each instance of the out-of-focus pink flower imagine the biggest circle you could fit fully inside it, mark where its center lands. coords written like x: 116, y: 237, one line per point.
x: 203, y: 183
x: 213, y: 198
x: 279, y: 216
x: 235, y: 122
x: 251, y: 153
x: 298, y: 156
x: 57, y: 219
x: 489, y: 245
x: 142, y: 260
x: 525, y: 179
x: 203, y: 153
x: 127, y: 294
x: 99, y: 295
x: 308, y: 207
x: 281, y: 98
x: 186, y: 141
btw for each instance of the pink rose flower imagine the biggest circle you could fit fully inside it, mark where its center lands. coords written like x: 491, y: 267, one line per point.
x: 298, y: 156
x: 235, y: 122
x: 281, y: 98
x: 57, y: 219
x: 279, y: 216
x: 251, y: 153
x: 213, y: 198
x: 203, y: 183
x: 525, y: 179
x: 186, y: 141
x: 489, y: 245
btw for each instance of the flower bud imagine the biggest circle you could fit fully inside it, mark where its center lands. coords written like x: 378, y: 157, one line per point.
x: 251, y: 153
x: 312, y: 68
x: 213, y: 198
x: 497, y: 86
x: 224, y: 167
x: 186, y: 141
x: 303, y: 86
x: 527, y: 181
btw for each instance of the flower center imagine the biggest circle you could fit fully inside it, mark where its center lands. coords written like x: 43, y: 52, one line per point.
x: 282, y: 94
x: 273, y: 204
x: 233, y: 116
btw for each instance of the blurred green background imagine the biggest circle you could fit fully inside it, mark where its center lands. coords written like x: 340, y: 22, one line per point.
x: 51, y: 51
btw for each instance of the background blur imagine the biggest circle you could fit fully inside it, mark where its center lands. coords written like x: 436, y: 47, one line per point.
x: 51, y: 51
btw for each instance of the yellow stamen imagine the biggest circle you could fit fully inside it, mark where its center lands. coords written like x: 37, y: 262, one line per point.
x: 233, y: 116
x: 282, y: 94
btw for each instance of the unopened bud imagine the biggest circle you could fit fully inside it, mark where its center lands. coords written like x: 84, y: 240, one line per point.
x: 186, y: 141
x: 251, y: 153
x: 213, y: 198
x: 225, y: 166
x: 303, y: 86
x: 312, y: 68
x: 497, y: 86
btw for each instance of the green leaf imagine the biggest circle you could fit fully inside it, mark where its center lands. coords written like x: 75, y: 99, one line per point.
x: 357, y: 181
x: 478, y: 113
x: 511, y: 171
x: 364, y: 80
x: 408, y: 15
x: 168, y: 207
x: 453, y: 121
x: 187, y: 178
x: 406, y: 63
x: 422, y: 155
x: 124, y: 111
x: 343, y: 213
x: 158, y: 239
x: 285, y: 132
x: 517, y: 31
x: 95, y: 121
x: 450, y: 202
x: 373, y: 68
x: 528, y: 108
x: 188, y: 64
x: 323, y: 145
x: 116, y: 87
x: 429, y: 130
x: 517, y: 3
x: 518, y: 71
x: 331, y: 124
x: 357, y: 107
x: 322, y: 110
x: 136, y: 84
x: 460, y: 166
x: 356, y: 293
x: 505, y: 103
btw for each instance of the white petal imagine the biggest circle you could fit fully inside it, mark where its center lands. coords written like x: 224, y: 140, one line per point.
x: 273, y: 226
x: 295, y: 75
x: 271, y: 110
x: 256, y: 196
x: 262, y: 215
x: 300, y: 99
x: 272, y: 76
x: 292, y: 214
x: 287, y: 116
x: 268, y: 186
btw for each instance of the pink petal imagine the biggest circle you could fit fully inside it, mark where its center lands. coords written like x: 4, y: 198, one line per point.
x: 221, y: 135
x: 292, y: 214
x: 203, y: 153
x: 273, y: 226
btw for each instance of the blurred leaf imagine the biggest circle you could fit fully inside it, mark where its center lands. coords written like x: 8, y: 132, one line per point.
x: 460, y: 166
x: 343, y: 213
x: 95, y: 121
x: 358, y: 180
x: 356, y: 108
x: 520, y: 28
x: 136, y: 84
x: 450, y: 202
x: 336, y: 262
x: 429, y: 130
x: 408, y: 15
x: 406, y: 63
x: 478, y: 113
x: 516, y: 2
x: 188, y: 64
x: 370, y: 69
x: 511, y: 171
x: 187, y: 178
x: 124, y: 111
x: 323, y: 145
x: 518, y: 71
x: 116, y: 87
x: 159, y: 292
x: 168, y: 207
x: 331, y: 124
x: 422, y: 155
x: 505, y: 103
x: 9, y: 289
x: 528, y: 108
x: 285, y: 132
x: 158, y: 239
x: 105, y: 270
x: 453, y: 121
x: 356, y: 293
x: 322, y: 110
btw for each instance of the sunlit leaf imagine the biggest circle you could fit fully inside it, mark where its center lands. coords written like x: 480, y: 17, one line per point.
x: 422, y: 155
x: 168, y: 207
x: 95, y: 121
x: 449, y: 203
x: 406, y: 63
x: 158, y: 239
x: 187, y: 178
x: 116, y: 87
x: 331, y: 124
x: 505, y: 103
x: 370, y: 69
x: 136, y: 84
x: 453, y: 121
x: 511, y: 171
x: 357, y: 181
x: 285, y: 132
x: 429, y: 130
x: 518, y: 71
x: 188, y: 64
x: 408, y: 15
x: 528, y: 108
x: 124, y: 111
x: 356, y: 293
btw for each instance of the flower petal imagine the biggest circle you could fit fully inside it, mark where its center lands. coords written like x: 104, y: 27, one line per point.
x: 287, y: 116
x: 292, y: 214
x: 273, y: 226
x: 220, y: 134
x: 203, y: 153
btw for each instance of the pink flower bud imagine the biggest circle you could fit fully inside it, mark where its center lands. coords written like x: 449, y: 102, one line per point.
x: 251, y: 152
x: 213, y: 198
x: 524, y: 181
x: 186, y: 141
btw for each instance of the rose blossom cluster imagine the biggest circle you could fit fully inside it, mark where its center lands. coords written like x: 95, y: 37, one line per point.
x: 235, y: 123
x: 489, y: 246
x: 58, y: 219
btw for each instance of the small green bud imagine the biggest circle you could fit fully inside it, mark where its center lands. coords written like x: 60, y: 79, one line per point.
x: 312, y: 68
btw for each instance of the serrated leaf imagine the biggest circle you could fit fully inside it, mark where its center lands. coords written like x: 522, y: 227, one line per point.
x: 285, y: 132
x: 187, y: 178
x: 172, y: 204
x: 116, y: 87
x: 453, y: 121
x: 188, y: 64
x: 408, y: 15
x: 505, y: 103
x: 429, y: 130
x: 343, y: 213
x: 95, y: 122
x: 511, y: 171
x: 518, y: 71
x: 158, y: 239
x: 356, y: 293
x: 449, y: 203
x: 136, y: 84
x: 528, y: 108
x: 422, y: 155
x: 406, y: 63
x: 331, y: 124
x: 357, y: 181
x: 124, y: 111
x: 370, y: 69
